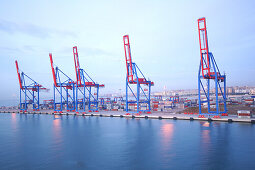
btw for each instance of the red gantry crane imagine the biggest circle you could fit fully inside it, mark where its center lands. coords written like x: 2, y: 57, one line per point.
x: 86, y: 87
x: 139, y: 96
x: 209, y: 71
x: 64, y: 89
x: 29, y: 91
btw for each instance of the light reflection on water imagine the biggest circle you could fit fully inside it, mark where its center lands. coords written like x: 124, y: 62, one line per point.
x: 167, y: 131
x: 57, y: 129
x: 66, y: 142
x: 205, y: 135
x: 166, y: 135
x: 14, y: 121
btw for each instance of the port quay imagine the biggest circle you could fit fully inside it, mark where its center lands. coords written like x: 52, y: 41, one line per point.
x: 153, y: 115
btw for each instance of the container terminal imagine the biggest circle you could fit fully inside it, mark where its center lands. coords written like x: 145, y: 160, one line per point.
x: 81, y: 96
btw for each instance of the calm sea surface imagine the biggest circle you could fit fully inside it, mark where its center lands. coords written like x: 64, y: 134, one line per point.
x: 69, y: 142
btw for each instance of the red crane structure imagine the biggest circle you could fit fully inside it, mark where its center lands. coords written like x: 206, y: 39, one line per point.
x: 209, y: 71
x: 64, y: 89
x: 86, y: 88
x: 29, y: 91
x: 140, y: 96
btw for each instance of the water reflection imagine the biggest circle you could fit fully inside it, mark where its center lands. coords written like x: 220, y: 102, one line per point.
x: 166, y: 133
x: 57, y: 132
x: 205, y: 135
x: 205, y: 140
x: 56, y: 125
x: 14, y: 122
x: 167, y: 130
x: 205, y: 124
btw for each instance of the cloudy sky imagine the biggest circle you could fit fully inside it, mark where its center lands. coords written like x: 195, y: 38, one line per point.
x: 163, y: 35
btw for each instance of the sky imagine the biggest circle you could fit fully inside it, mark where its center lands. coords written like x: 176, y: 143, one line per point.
x: 163, y: 36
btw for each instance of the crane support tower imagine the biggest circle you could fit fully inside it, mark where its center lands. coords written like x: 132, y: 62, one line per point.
x: 138, y: 88
x: 209, y: 72
x: 86, y: 88
x: 29, y: 91
x: 63, y: 90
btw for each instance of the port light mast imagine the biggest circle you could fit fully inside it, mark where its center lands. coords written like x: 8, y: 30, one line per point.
x: 63, y: 89
x: 209, y: 72
x: 138, y: 88
x: 29, y: 91
x: 86, y: 87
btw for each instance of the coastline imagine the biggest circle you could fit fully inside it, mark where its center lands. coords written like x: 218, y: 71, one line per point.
x: 153, y: 115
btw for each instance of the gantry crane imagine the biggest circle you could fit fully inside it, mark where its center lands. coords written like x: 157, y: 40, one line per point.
x: 140, y: 96
x: 87, y: 88
x: 208, y: 70
x: 62, y: 85
x: 29, y: 91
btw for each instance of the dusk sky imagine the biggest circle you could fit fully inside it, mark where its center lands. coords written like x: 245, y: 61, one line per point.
x: 163, y: 36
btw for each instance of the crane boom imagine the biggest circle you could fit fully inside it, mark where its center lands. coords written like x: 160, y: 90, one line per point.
x: 77, y: 65
x: 53, y: 70
x: 128, y: 58
x: 204, y: 50
x: 17, y: 67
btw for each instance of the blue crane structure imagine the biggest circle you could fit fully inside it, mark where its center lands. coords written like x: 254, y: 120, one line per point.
x: 29, y: 91
x: 86, y: 87
x: 209, y: 71
x: 63, y: 89
x: 140, y: 95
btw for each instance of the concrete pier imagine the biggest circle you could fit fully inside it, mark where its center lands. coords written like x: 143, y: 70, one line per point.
x: 153, y: 115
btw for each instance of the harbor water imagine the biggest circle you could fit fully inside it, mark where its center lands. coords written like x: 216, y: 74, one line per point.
x: 34, y: 141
